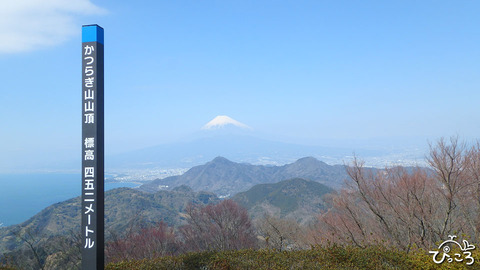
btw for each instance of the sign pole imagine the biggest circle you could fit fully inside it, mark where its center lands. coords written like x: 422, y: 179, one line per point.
x: 92, y: 148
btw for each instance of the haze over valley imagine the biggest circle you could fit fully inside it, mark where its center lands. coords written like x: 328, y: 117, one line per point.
x: 238, y: 142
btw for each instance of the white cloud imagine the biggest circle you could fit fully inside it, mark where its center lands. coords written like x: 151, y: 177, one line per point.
x: 27, y: 25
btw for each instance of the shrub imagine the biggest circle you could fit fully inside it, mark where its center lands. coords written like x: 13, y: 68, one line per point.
x: 329, y: 257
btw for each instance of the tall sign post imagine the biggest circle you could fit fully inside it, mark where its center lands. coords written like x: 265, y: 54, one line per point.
x: 92, y: 148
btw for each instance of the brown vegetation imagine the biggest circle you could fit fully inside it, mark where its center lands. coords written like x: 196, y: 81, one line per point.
x: 280, y: 234
x: 146, y: 243
x: 224, y: 226
x: 403, y: 208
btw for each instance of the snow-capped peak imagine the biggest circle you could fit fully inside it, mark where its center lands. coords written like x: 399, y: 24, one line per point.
x: 223, y: 120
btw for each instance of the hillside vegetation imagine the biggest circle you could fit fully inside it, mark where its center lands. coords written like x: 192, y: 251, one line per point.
x: 324, y: 258
x: 297, y: 199
x: 123, y: 206
x: 55, y: 229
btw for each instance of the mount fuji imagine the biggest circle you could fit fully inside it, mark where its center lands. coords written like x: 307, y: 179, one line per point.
x: 223, y: 121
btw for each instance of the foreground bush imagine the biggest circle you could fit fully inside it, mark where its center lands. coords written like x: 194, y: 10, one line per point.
x: 333, y: 257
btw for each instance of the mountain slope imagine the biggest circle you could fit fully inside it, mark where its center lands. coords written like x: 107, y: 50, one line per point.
x: 122, y: 207
x: 225, y: 177
x: 296, y: 198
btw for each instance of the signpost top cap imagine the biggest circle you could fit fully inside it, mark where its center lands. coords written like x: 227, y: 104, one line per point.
x: 92, y: 33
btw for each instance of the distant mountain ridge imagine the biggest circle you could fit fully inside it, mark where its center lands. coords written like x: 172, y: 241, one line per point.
x: 224, y: 177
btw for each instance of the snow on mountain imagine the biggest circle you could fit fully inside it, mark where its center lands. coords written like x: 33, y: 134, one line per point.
x: 223, y: 120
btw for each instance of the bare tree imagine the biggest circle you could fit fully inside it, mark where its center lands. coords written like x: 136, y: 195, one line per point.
x: 403, y: 207
x: 65, y: 252
x: 224, y: 226
x: 471, y: 198
x: 31, y: 240
x: 449, y: 161
x: 280, y: 234
x: 144, y: 243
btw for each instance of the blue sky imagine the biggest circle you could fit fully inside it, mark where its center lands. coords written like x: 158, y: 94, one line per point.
x: 315, y: 72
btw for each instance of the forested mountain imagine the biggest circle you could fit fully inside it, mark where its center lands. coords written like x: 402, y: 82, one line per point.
x: 297, y: 199
x: 124, y: 207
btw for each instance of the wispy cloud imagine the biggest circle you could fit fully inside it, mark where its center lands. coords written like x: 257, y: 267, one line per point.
x: 27, y: 25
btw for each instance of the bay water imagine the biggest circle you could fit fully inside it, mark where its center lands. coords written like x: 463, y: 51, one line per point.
x: 24, y: 195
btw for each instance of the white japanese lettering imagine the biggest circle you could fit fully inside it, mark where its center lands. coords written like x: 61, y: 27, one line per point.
x: 89, y: 70
x: 89, y: 106
x: 89, y: 50
x: 89, y: 142
x: 89, y: 209
x: 89, y: 118
x: 89, y: 81
x: 89, y: 185
x: 89, y: 58
x: 89, y: 94
x: 89, y: 155
x: 89, y: 172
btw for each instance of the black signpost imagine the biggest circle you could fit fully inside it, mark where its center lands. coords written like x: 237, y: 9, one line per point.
x: 92, y: 148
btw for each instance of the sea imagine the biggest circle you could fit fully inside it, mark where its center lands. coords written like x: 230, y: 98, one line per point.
x: 24, y: 195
